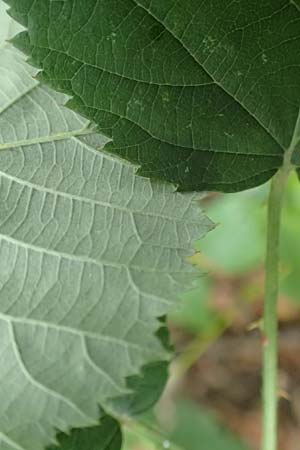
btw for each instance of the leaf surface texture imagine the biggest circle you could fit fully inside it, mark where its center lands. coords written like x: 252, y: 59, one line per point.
x: 90, y: 257
x: 203, y: 94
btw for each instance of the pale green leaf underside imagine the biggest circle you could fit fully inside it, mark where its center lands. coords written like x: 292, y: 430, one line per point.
x: 8, y: 28
x: 204, y: 94
x: 90, y: 256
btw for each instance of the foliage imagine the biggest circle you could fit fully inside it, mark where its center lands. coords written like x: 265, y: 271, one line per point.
x: 202, y: 96
x: 205, y: 96
x: 91, y: 258
x: 106, y: 436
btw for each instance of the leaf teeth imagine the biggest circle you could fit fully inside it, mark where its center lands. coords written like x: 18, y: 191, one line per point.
x: 93, y: 256
x: 22, y: 19
x: 21, y: 42
x: 72, y: 104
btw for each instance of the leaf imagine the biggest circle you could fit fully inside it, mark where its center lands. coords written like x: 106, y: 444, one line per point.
x: 106, y: 436
x: 147, y: 387
x: 146, y: 390
x: 201, y: 94
x: 90, y: 257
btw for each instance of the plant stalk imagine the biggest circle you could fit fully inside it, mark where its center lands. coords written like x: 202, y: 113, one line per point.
x: 270, y: 325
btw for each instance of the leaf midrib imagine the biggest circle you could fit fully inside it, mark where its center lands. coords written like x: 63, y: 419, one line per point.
x: 75, y: 134
x: 45, y: 139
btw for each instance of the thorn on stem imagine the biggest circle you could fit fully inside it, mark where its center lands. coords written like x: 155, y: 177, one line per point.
x: 284, y: 394
x: 256, y: 325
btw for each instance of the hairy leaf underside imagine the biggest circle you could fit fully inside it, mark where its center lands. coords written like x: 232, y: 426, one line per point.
x: 90, y: 257
x: 204, y: 94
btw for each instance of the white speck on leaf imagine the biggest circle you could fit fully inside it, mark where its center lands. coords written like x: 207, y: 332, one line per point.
x: 208, y: 43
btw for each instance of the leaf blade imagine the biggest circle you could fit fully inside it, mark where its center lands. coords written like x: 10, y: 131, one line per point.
x: 219, y: 119
x: 91, y: 256
x: 106, y: 436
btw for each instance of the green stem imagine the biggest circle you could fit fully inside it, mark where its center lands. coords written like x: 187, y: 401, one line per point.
x: 270, y: 327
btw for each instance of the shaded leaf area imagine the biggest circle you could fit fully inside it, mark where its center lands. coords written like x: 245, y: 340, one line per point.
x: 201, y: 94
x: 91, y: 256
x: 106, y: 436
x: 145, y: 389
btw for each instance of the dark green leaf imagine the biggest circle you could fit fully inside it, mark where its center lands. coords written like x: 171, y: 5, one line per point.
x: 146, y: 390
x: 203, y: 94
x: 106, y: 436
